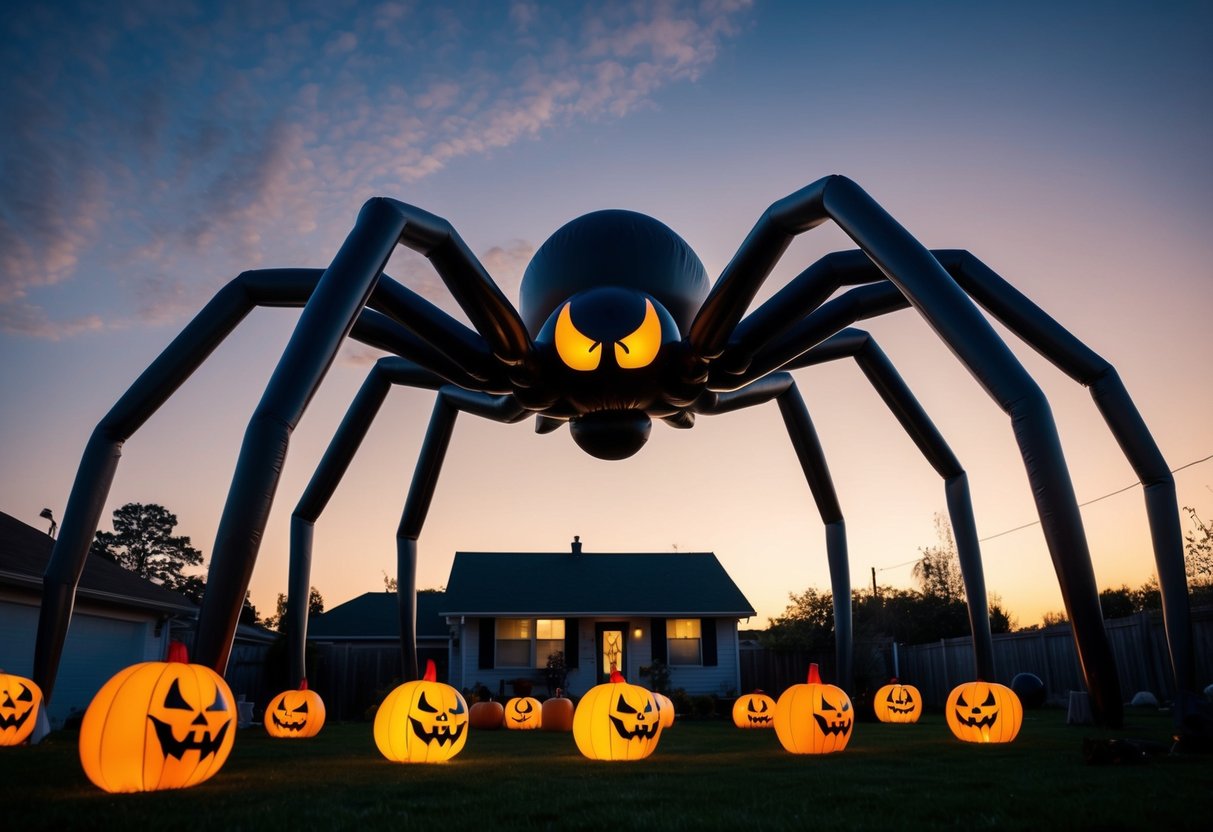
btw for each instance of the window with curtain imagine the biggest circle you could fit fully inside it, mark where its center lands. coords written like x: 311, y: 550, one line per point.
x: 684, y: 641
x: 514, y: 637
x: 549, y: 639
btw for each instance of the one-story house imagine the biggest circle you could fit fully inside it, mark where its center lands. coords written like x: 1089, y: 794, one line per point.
x: 119, y: 619
x: 509, y: 612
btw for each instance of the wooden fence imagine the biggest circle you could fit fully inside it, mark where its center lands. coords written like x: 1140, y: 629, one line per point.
x: 1138, y: 645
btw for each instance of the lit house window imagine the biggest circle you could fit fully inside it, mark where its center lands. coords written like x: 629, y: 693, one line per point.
x: 527, y: 642
x: 549, y: 639
x: 514, y: 642
x: 684, y: 641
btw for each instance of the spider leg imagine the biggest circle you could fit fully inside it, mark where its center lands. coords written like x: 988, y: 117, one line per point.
x: 333, y: 465
x: 335, y: 462
x: 782, y: 388
x: 896, y: 394
x: 949, y: 311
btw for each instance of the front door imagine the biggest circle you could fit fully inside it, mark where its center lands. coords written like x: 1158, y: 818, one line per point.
x: 611, y: 648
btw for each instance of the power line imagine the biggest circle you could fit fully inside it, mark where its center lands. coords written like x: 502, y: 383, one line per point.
x: 1080, y: 505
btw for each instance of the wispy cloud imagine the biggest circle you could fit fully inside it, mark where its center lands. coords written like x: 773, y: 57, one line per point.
x: 155, y: 152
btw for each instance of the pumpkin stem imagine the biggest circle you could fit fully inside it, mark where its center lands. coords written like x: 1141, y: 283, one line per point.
x: 814, y: 675
x: 178, y: 652
x: 303, y: 683
x: 616, y: 676
x: 431, y: 672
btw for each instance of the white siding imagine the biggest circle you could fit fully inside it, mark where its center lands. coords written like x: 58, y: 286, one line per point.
x: 724, y: 678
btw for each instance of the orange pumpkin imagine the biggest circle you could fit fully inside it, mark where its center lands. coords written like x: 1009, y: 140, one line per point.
x: 897, y: 703
x: 20, y: 700
x: 158, y: 725
x: 617, y: 721
x: 984, y: 712
x: 557, y: 714
x: 754, y: 710
x: 814, y: 718
x: 295, y: 714
x: 422, y: 721
x: 523, y: 713
x: 486, y: 716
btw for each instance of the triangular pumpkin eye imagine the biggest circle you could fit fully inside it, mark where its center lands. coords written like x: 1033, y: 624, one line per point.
x: 175, y: 700
x: 989, y: 700
x: 302, y: 709
x: 220, y: 704
x: 458, y: 709
x: 423, y: 705
x: 26, y: 695
x: 960, y: 700
x: 623, y: 707
x: 826, y: 706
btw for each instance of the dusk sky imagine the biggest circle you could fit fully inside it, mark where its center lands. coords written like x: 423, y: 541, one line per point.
x: 154, y: 150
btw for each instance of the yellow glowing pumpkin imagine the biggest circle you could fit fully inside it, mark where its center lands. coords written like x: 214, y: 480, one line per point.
x: 422, y: 722
x: 984, y: 712
x: 617, y: 721
x: 814, y: 718
x: 295, y: 714
x: 523, y: 713
x: 897, y: 703
x: 158, y: 725
x: 754, y: 710
x: 666, y: 708
x: 20, y: 700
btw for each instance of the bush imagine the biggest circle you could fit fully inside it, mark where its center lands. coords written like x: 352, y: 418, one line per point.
x: 681, y: 700
x: 703, y: 706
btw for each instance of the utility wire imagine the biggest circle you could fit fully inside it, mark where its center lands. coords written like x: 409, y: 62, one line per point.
x: 1037, y: 522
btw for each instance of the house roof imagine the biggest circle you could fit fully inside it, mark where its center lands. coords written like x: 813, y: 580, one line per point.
x: 25, y: 552
x: 375, y: 615
x: 570, y: 585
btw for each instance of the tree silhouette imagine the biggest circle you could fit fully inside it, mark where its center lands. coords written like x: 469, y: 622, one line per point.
x: 143, y: 542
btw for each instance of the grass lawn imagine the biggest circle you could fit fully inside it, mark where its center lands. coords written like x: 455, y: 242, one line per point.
x: 704, y: 775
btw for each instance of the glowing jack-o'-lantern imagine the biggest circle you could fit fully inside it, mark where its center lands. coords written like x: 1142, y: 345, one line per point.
x: 20, y: 699
x: 754, y: 710
x: 523, y: 713
x: 898, y: 703
x: 422, y: 722
x: 617, y: 721
x: 158, y: 725
x: 814, y: 718
x: 984, y: 712
x: 295, y: 714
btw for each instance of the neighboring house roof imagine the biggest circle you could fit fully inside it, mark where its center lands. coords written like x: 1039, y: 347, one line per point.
x: 567, y: 584
x: 25, y: 552
x: 376, y: 615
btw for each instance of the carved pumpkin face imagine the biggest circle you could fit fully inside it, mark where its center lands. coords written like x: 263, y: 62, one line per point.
x: 422, y: 722
x: 295, y: 714
x: 898, y: 703
x: 523, y: 713
x: 754, y: 710
x: 617, y: 721
x: 158, y: 725
x: 20, y: 699
x: 814, y: 718
x: 984, y: 712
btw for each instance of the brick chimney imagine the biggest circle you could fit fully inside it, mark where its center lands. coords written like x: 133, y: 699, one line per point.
x: 576, y: 544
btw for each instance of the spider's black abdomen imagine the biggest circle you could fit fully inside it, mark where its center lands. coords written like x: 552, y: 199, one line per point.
x: 613, y: 248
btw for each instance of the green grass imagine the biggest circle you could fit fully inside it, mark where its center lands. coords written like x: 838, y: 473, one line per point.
x: 704, y: 775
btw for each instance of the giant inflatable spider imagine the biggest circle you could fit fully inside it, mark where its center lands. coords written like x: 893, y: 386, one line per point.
x: 619, y: 326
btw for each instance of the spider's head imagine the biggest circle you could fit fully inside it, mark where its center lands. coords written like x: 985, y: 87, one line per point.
x: 608, y: 350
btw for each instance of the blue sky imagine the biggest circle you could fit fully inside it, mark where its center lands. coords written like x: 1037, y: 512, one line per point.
x: 155, y: 150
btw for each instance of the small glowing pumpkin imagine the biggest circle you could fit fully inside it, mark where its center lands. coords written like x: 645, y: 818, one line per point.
x: 984, y: 712
x: 20, y: 700
x: 523, y: 713
x: 814, y: 718
x: 665, y: 708
x: 295, y: 714
x: 617, y: 721
x: 158, y: 725
x: 422, y: 722
x: 897, y: 703
x: 754, y: 710
x: 557, y: 714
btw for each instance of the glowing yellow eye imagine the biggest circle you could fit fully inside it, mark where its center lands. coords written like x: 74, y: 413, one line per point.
x: 575, y: 349
x: 640, y: 348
